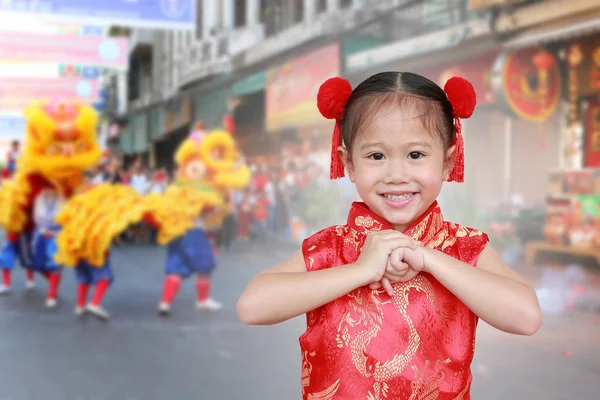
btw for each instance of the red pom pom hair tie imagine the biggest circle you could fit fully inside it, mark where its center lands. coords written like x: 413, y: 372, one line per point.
x: 463, y: 99
x: 331, y: 101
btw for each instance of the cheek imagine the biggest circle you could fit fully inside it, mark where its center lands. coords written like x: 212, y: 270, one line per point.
x: 366, y: 175
x: 430, y: 175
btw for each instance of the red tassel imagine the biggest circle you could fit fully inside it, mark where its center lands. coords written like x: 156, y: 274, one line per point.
x: 458, y: 171
x: 337, y: 167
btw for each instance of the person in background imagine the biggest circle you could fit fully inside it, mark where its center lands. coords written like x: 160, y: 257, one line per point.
x: 226, y: 235
x: 115, y: 171
x: 11, y: 160
x: 245, y: 214
x: 140, y: 183
x: 158, y: 183
x: 260, y: 213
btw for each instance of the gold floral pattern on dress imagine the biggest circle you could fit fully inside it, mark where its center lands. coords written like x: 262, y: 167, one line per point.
x: 368, y: 224
x: 307, y: 368
x: 426, y: 386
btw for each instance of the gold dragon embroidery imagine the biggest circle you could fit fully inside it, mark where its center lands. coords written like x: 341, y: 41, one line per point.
x: 371, y: 319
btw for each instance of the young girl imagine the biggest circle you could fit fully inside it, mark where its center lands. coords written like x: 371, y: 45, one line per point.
x: 394, y: 296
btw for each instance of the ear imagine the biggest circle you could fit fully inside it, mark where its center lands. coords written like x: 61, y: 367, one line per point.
x: 347, y: 161
x: 449, y: 162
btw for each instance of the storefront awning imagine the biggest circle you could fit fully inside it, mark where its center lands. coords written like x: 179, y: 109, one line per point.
x: 565, y: 30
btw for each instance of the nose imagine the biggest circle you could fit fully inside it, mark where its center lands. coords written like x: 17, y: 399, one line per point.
x: 396, y: 171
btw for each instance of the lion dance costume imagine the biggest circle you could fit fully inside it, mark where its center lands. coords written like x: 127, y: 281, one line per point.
x: 60, y: 144
x: 208, y: 166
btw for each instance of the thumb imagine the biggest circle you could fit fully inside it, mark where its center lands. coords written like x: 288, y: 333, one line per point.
x: 375, y: 285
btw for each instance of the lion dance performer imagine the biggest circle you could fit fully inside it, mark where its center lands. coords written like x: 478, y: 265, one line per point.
x: 60, y: 143
x: 208, y: 166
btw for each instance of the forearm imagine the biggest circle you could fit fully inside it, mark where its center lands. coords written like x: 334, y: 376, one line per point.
x: 504, y: 303
x: 275, y: 297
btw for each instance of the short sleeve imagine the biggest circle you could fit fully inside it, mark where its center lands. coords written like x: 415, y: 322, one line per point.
x: 319, y: 249
x: 471, y: 245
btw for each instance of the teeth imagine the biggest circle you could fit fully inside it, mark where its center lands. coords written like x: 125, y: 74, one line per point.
x: 398, y: 197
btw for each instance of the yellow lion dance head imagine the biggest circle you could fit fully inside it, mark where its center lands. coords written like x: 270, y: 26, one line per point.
x: 60, y: 139
x: 211, y: 158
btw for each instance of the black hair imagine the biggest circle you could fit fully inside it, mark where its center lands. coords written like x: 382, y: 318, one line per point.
x: 404, y: 89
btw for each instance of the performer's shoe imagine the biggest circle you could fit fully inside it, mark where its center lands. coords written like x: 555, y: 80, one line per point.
x: 4, y: 289
x: 79, y: 311
x: 209, y: 304
x: 29, y: 285
x: 51, y: 303
x: 164, y: 309
x: 97, y: 311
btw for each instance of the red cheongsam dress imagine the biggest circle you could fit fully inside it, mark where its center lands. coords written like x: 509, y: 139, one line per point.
x: 415, y: 345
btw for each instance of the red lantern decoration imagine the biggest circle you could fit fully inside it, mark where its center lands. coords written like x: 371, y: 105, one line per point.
x: 229, y: 124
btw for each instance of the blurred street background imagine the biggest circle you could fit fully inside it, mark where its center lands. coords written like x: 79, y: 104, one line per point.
x: 155, y: 68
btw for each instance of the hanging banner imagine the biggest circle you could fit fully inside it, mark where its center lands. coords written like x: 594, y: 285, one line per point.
x: 18, y: 93
x: 166, y: 14
x: 67, y: 49
x: 523, y: 88
x: 291, y: 94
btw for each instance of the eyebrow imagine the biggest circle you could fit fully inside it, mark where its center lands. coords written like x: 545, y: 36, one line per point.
x: 370, y: 144
x: 380, y: 144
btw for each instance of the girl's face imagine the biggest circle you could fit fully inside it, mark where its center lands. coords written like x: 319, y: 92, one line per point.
x: 397, y: 165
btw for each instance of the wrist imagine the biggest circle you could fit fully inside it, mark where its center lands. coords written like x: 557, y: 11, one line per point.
x: 429, y: 260
x: 360, y: 275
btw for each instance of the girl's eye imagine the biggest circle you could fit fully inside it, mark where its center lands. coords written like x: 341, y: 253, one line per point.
x: 376, y: 156
x: 415, y: 155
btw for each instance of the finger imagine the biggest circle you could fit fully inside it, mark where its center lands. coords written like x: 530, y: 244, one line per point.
x: 393, y: 233
x: 387, y: 286
x: 394, y: 276
x: 398, y: 269
x: 394, y: 242
x: 375, y: 285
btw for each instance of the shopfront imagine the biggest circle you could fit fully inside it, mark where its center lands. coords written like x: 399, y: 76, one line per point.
x: 292, y: 116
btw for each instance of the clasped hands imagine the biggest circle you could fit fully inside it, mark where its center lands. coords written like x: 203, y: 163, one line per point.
x: 391, y: 256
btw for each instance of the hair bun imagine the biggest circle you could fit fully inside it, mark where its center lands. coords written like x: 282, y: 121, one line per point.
x: 333, y: 96
x: 461, y: 95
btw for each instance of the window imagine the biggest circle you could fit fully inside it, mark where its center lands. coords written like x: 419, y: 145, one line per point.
x: 321, y: 6
x: 298, y: 10
x: 267, y: 16
x: 199, y: 18
x: 240, y: 13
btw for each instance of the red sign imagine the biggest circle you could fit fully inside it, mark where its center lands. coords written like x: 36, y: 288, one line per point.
x: 477, y: 71
x: 527, y: 90
x: 592, y: 153
x: 291, y: 93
